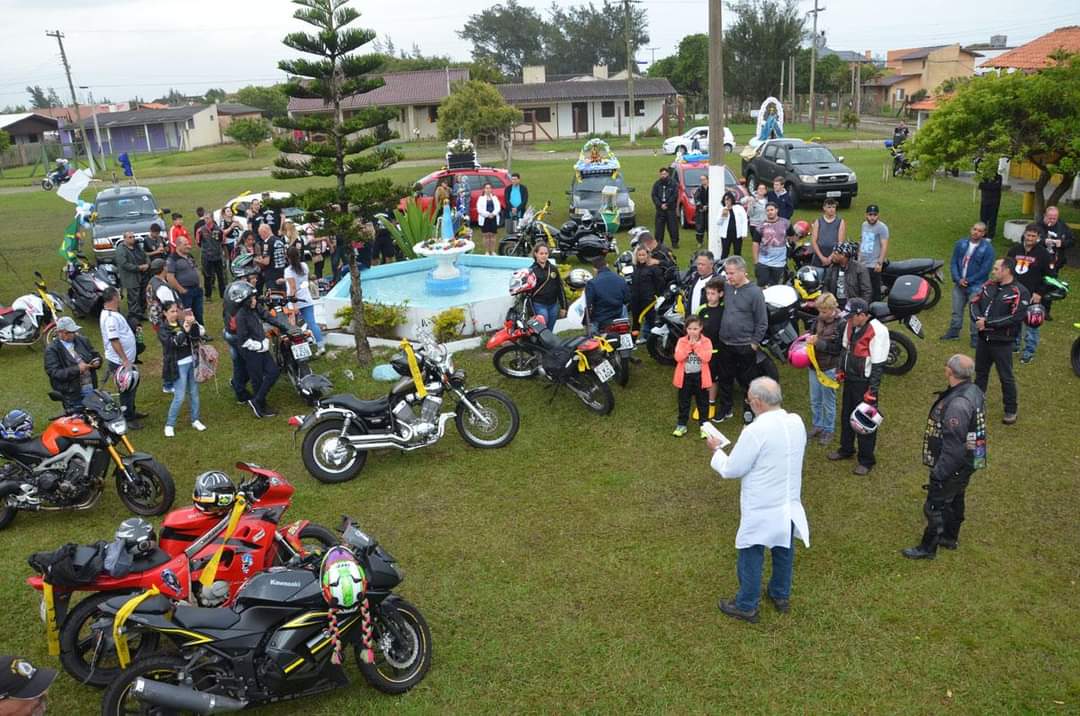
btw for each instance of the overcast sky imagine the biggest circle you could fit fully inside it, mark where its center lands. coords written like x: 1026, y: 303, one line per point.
x: 123, y: 48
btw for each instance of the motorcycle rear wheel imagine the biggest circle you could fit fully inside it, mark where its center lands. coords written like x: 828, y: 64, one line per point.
x: 78, y: 643
x: 661, y: 348
x: 398, y: 666
x: 7, y: 514
x: 327, y: 459
x: 622, y: 371
x: 516, y: 361
x: 155, y: 486
x: 316, y: 539
x: 493, y: 404
x: 935, y: 292
x: 902, y: 354
x: 596, y: 395
x: 165, y: 668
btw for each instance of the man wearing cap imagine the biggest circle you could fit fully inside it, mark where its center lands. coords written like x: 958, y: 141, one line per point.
x: 71, y: 363
x: 845, y: 277
x: 874, y: 248
x: 866, y: 348
x: 132, y: 265
x: 23, y: 687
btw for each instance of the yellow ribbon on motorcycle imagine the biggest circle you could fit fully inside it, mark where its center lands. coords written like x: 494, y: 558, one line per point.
x: 122, y: 653
x: 210, y: 571
x: 414, y: 368
x: 822, y: 378
x: 52, y: 633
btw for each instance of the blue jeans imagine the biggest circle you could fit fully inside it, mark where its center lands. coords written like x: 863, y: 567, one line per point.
x: 1030, y: 338
x: 550, y: 312
x: 193, y: 299
x: 184, y: 385
x: 961, y: 297
x: 750, y: 566
x: 822, y: 402
x: 308, y: 312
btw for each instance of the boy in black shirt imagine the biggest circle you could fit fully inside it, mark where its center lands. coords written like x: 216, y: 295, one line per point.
x: 711, y: 314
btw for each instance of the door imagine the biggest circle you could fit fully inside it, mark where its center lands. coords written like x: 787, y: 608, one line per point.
x: 579, y: 112
x: 769, y: 167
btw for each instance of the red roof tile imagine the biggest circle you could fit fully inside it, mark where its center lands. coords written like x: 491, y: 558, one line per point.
x: 399, y: 88
x: 1035, y: 54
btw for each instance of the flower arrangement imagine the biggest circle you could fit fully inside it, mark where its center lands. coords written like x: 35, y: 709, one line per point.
x: 460, y: 146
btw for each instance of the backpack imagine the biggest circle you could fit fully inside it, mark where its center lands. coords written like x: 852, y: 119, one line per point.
x: 71, y: 565
x: 559, y: 362
x: 207, y: 363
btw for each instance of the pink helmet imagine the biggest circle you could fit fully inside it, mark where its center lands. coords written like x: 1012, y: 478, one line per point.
x: 1036, y: 314
x: 797, y: 354
x: 522, y: 281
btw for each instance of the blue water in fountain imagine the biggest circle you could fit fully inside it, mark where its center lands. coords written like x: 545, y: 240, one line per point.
x: 404, y: 282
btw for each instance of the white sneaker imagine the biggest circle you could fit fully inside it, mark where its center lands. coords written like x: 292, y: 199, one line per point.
x: 197, y: 424
x: 167, y: 391
x: 170, y: 431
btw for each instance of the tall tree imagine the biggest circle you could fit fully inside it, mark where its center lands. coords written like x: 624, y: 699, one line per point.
x: 39, y: 98
x: 271, y: 100
x: 1032, y: 117
x: 688, y: 70
x: 579, y: 37
x: 510, y: 36
x: 214, y: 94
x: 763, y: 34
x: 351, y: 144
x: 476, y: 108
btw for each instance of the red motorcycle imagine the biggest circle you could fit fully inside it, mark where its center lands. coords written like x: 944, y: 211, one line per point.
x: 189, y: 540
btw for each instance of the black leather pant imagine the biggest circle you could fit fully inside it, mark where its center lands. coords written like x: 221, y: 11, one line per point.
x: 944, y: 509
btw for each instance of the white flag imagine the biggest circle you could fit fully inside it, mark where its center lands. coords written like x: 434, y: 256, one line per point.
x: 74, y: 186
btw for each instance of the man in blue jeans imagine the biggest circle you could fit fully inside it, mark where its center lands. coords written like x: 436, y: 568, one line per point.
x: 768, y: 457
x: 972, y: 259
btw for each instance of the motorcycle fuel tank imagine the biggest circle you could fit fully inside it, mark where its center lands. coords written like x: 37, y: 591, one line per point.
x: 279, y: 586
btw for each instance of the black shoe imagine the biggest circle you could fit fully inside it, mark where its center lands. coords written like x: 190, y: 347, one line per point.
x: 134, y: 425
x: 837, y: 455
x: 723, y: 414
x: 140, y: 416
x: 950, y: 337
x: 267, y: 412
x: 946, y: 543
x: 254, y: 408
x: 782, y: 605
x: 729, y: 608
x: 242, y: 400
x: 918, y: 553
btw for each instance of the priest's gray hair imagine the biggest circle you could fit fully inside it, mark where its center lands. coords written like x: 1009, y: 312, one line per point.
x: 767, y: 391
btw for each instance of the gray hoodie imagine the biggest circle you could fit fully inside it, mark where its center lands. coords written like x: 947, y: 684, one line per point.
x: 745, y: 317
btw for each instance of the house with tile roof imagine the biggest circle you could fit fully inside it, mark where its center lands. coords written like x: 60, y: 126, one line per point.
x: 920, y: 68
x: 175, y: 129
x: 1035, y: 55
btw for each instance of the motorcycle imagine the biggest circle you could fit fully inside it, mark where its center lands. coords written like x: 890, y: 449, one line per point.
x: 64, y: 468
x: 901, y: 166
x: 30, y: 317
x: 293, y: 349
x: 60, y: 175
x: 619, y: 335
x: 87, y: 284
x: 343, y: 429
x: 585, y: 238
x: 189, y: 539
x: 928, y: 269
x: 669, y: 325
x: 271, y: 646
x: 526, y: 347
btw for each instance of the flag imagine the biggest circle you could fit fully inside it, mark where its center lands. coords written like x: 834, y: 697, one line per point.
x: 125, y: 163
x: 71, y: 190
x: 69, y: 248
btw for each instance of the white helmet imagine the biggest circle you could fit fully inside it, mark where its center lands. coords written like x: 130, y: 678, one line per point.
x: 865, y: 418
x: 127, y: 378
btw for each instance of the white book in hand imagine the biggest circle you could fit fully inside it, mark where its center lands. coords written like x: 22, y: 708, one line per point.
x: 712, y: 432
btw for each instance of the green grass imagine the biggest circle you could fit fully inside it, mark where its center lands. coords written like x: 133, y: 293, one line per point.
x: 578, y: 570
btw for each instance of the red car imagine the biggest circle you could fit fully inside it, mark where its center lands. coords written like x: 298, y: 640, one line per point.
x: 498, y: 178
x: 688, y: 175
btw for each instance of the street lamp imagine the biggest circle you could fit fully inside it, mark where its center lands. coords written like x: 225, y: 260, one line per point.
x: 97, y: 129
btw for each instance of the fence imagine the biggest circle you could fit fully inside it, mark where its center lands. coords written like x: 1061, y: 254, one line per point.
x: 830, y: 108
x: 21, y: 155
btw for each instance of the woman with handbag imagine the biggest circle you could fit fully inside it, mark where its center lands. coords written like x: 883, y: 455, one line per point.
x: 180, y: 335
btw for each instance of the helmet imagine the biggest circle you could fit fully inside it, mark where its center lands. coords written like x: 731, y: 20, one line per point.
x: 400, y: 363
x: 801, y: 227
x: 126, y: 378
x: 239, y: 292
x: 578, y: 278
x: 17, y: 425
x: 1056, y: 289
x: 807, y: 283
x: 1036, y: 314
x: 137, y: 535
x: 214, y: 492
x: 569, y: 228
x: 314, y: 386
x: 798, y: 356
x: 865, y: 418
x: 342, y: 578
x: 243, y: 265
x: 522, y: 281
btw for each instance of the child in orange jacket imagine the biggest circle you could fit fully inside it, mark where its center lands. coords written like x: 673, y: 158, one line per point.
x: 692, y: 376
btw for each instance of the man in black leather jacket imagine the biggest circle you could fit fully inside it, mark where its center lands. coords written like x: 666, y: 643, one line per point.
x: 229, y: 309
x: 856, y: 278
x: 665, y: 197
x: 954, y: 446
x: 71, y: 363
x: 997, y: 312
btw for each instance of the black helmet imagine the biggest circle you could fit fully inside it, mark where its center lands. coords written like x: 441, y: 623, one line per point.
x: 569, y: 228
x: 314, y: 386
x: 243, y: 265
x: 137, y: 535
x: 400, y: 364
x: 17, y: 425
x: 808, y: 283
x: 214, y: 492
x: 239, y: 292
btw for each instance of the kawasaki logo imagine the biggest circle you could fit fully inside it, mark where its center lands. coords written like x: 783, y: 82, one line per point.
x: 275, y: 583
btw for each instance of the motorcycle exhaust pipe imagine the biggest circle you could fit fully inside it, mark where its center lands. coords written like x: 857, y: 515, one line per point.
x: 9, y: 487
x: 181, y: 697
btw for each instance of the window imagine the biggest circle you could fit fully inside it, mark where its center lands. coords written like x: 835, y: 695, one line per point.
x: 433, y: 113
x: 607, y: 109
x: 191, y: 123
x: 538, y: 114
x: 477, y: 181
x: 899, y: 94
x: 639, y: 107
x: 770, y: 152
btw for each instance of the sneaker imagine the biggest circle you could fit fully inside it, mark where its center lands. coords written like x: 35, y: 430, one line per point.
x: 169, y: 391
x: 861, y: 470
x: 950, y: 337
x: 641, y: 340
x: 1024, y: 360
x: 917, y: 552
x: 267, y: 412
x: 721, y: 418
x: 197, y: 424
x: 170, y: 431
x: 815, y: 432
x: 837, y: 455
x: 140, y: 416
x: 728, y: 607
x: 679, y: 431
x: 782, y: 605
x: 1009, y: 419
x: 825, y: 438
x: 254, y: 408
x: 134, y: 425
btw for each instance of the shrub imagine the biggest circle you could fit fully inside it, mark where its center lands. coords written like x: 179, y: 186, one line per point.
x: 410, y: 227
x: 448, y: 325
x: 382, y: 320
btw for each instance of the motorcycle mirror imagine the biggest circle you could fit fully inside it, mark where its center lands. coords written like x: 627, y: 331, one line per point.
x: 164, y: 211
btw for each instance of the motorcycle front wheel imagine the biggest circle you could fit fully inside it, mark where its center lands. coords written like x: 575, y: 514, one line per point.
x: 516, y: 361
x: 497, y: 427
x: 512, y: 246
x: 402, y: 655
x: 661, y: 348
x: 151, y: 490
x: 47, y: 184
x: 7, y: 514
x: 595, y: 394
x: 79, y: 652
x: 329, y: 458
x: 119, y: 700
x: 902, y: 354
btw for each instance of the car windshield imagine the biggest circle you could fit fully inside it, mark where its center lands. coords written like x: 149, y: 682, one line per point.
x: 124, y: 208
x: 692, y: 177
x: 595, y: 185
x: 811, y: 155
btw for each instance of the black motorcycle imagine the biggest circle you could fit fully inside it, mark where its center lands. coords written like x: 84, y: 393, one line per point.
x: 87, y: 284
x: 585, y: 238
x: 343, y: 429
x: 275, y: 644
x: 669, y: 325
x: 293, y: 348
x: 901, y: 165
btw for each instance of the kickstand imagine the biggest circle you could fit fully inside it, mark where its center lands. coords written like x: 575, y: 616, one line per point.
x: 554, y: 390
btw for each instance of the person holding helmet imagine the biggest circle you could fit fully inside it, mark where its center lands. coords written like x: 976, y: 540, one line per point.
x: 954, y: 446
x: 827, y: 341
x: 1033, y: 263
x: 71, y: 363
x: 997, y: 313
x: 1057, y: 238
x: 23, y: 686
x: 865, y: 349
x: 606, y: 296
x: 549, y: 297
x: 120, y: 352
x: 845, y: 277
x: 254, y: 349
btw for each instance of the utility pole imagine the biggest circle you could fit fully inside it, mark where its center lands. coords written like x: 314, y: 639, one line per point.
x: 813, y: 64
x: 783, y: 70
x: 653, y: 50
x: 97, y: 128
x: 75, y: 100
x: 716, y: 122
x: 630, y: 65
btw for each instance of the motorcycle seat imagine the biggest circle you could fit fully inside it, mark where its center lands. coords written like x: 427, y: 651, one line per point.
x: 12, y: 315
x: 358, y: 406
x: 205, y: 617
x: 550, y: 340
x: 149, y: 561
x: 880, y: 310
x: 154, y: 605
x: 33, y: 448
x: 4, y: 310
x: 911, y: 266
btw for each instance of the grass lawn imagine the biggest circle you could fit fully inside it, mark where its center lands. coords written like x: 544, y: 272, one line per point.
x: 578, y: 570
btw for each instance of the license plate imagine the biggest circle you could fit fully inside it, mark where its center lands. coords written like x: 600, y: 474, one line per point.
x: 301, y: 351
x: 604, y: 371
x: 832, y: 195
x: 626, y: 342
x: 915, y: 324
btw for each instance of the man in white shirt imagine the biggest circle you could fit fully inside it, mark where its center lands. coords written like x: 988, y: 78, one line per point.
x: 768, y: 457
x: 120, y: 350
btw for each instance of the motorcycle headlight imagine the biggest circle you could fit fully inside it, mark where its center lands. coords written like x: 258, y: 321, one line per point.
x: 808, y: 178
x: 118, y: 427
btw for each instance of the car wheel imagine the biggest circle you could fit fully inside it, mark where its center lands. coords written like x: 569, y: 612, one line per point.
x: 751, y: 181
x: 728, y: 148
x: 682, y: 217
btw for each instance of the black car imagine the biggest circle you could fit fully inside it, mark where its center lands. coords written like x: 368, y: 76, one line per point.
x: 587, y: 194
x: 810, y: 171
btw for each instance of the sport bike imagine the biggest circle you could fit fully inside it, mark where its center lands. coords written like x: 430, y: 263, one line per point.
x: 275, y: 643
x: 188, y: 541
x: 343, y: 429
x: 65, y: 467
x: 668, y: 326
x: 31, y: 317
